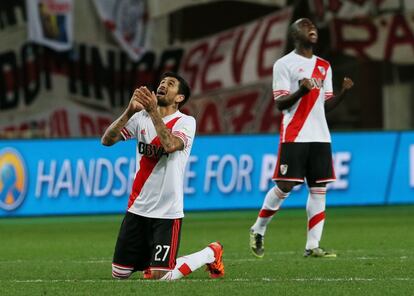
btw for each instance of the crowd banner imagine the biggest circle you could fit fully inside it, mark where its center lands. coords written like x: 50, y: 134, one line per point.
x: 80, y: 176
x: 127, y: 21
x: 325, y: 11
x: 161, y: 7
x: 236, y: 57
x: 389, y: 37
x: 50, y: 23
x: 79, y: 92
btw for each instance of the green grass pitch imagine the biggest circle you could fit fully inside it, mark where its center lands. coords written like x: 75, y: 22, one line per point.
x: 72, y: 255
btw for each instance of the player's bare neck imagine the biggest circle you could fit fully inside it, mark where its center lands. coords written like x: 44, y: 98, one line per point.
x: 304, y: 51
x: 167, y: 110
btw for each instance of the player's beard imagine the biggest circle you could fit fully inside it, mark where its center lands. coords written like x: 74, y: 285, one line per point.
x: 161, y: 102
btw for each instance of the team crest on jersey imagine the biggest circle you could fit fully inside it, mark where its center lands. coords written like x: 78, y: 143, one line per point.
x: 283, y: 169
x: 322, y: 70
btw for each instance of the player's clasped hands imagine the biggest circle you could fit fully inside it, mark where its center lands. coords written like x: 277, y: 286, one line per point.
x: 147, y: 98
x: 142, y: 98
x: 135, y: 104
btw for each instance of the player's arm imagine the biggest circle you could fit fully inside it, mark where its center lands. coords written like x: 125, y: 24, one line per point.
x: 112, y: 134
x: 287, y: 101
x: 334, y: 101
x: 169, y: 142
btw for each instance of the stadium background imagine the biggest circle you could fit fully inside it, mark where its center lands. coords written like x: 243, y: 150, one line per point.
x: 72, y: 83
x: 67, y: 70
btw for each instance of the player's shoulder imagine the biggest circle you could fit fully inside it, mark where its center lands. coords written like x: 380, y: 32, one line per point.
x: 323, y: 60
x: 186, y: 117
x: 285, y: 60
x: 282, y: 59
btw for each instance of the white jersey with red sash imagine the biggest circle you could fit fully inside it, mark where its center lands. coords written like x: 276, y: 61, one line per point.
x: 305, y: 121
x: 158, y: 186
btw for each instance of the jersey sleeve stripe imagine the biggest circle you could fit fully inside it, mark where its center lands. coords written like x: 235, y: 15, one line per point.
x: 276, y: 92
x: 125, y: 133
x: 279, y: 93
x: 328, y: 95
x: 182, y: 136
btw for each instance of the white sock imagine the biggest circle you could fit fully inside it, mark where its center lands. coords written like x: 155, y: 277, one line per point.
x: 187, y: 264
x: 315, y: 208
x: 271, y: 204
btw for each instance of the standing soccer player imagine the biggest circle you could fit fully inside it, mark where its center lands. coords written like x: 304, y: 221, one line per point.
x: 149, y: 236
x: 302, y: 89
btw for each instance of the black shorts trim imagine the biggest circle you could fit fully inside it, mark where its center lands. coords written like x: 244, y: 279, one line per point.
x: 289, y: 179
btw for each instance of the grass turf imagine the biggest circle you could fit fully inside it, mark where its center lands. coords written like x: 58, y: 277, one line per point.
x: 72, y: 255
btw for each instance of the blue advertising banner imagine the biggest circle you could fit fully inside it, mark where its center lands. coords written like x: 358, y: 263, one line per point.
x: 402, y: 183
x: 64, y: 177
x: 54, y: 177
x: 236, y: 172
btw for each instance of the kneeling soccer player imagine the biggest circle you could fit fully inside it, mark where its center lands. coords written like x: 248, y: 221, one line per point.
x: 150, y: 232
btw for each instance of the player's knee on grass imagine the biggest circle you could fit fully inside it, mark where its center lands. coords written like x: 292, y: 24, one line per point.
x: 158, y: 274
x: 121, y: 272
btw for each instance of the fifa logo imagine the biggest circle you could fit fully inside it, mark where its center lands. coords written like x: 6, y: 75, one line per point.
x: 13, y: 179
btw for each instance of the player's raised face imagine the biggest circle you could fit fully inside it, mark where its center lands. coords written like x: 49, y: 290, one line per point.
x: 304, y: 31
x: 167, y: 91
